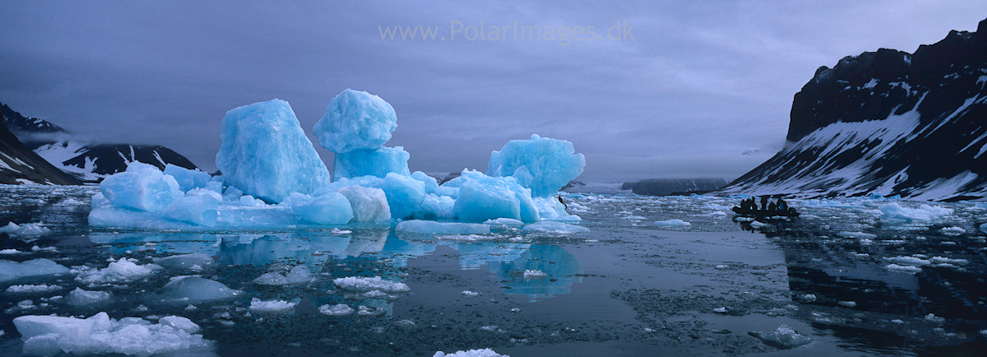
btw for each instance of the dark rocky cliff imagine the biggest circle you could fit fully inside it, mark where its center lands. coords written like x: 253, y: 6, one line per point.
x: 888, y: 122
x: 20, y: 165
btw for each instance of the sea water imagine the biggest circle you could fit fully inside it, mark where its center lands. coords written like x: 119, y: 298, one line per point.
x: 849, y: 277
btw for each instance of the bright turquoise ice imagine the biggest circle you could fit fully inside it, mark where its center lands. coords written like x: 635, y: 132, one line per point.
x: 265, y: 153
x: 142, y: 187
x: 355, y: 120
x: 372, y: 162
x: 187, y: 179
x: 544, y: 165
x: 482, y: 197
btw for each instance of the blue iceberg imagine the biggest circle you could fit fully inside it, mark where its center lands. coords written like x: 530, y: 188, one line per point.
x: 544, y: 165
x: 265, y: 153
x: 356, y: 120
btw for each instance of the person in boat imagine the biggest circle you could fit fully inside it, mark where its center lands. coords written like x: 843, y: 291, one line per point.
x: 782, y: 205
x: 764, y: 202
x: 772, y: 207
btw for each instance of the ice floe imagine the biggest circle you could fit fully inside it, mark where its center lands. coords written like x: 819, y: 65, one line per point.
x: 36, y: 267
x: 25, y: 229
x: 99, y: 334
x: 783, y: 337
x: 486, y: 352
x: 672, y: 223
x: 364, y: 284
x: 272, y: 306
x: 193, y: 290
x: 336, y: 310
x: 82, y: 297
x: 121, y: 271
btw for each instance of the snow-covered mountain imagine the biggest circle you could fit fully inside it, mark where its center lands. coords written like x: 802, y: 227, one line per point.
x: 89, y: 162
x: 20, y: 165
x: 888, y: 122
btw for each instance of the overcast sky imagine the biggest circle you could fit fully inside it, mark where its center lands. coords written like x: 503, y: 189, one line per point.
x: 690, y: 88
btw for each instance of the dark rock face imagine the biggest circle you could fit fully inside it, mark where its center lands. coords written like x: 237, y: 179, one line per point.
x: 888, y: 122
x: 20, y: 165
x: 109, y: 159
x: 87, y: 162
x: 665, y: 187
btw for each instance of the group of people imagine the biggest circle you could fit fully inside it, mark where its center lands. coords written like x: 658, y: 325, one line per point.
x: 751, y: 204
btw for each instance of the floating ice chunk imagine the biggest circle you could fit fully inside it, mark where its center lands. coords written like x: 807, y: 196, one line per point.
x: 49, y: 335
x: 335, y: 310
x: 466, y: 237
x: 910, y: 261
x: 273, y: 306
x: 470, y: 293
x: 193, y: 261
x: 953, y: 231
x: 857, y: 235
x: 896, y: 213
x: 272, y: 279
x: 486, y: 352
x: 32, y: 289
x: 933, y: 318
x: 369, y: 311
x: 534, y: 274
x: 544, y: 165
x: 25, y: 229
x: 635, y: 218
x: 187, y: 179
x: 327, y: 208
x: 198, y: 206
x: 298, y: 275
x: 673, y: 223
x: 944, y: 260
x: 265, y: 153
x: 121, y: 271
x: 432, y: 227
x: 372, y: 162
x: 10, y: 251
x: 82, y: 297
x: 36, y: 267
x: 364, y: 284
x: 368, y: 204
x: 436, y: 207
x: 758, y: 224
x: 193, y: 290
x: 550, y: 227
x: 983, y: 228
x: 482, y: 197
x: 848, y: 303
x: 784, y: 337
x: 355, y: 120
x: 504, y: 222
x: 141, y: 187
x: 908, y: 269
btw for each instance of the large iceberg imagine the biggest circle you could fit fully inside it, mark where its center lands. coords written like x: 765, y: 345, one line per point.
x: 265, y: 153
x: 544, y: 165
x: 272, y: 178
x: 355, y: 120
